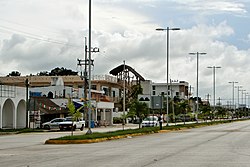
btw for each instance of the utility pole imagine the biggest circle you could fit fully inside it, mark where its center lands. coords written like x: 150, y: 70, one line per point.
x: 124, y: 96
x: 86, y: 63
x: 171, y: 87
x: 207, y: 96
x: 219, y: 99
x: 27, y: 102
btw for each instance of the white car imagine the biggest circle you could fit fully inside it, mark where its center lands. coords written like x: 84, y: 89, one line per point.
x: 53, y: 124
x: 68, y: 124
x: 150, y: 121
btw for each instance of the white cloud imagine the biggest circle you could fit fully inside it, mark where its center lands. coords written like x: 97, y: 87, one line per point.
x: 214, y: 6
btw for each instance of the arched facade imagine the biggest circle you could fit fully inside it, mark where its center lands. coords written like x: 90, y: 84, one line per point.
x: 21, y: 114
x: 13, y: 109
x: 8, y: 113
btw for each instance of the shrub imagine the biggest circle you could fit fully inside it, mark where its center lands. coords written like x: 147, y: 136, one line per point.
x: 117, y: 120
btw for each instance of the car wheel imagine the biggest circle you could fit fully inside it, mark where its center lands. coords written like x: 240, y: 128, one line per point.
x: 47, y: 127
x: 82, y: 128
x: 74, y: 127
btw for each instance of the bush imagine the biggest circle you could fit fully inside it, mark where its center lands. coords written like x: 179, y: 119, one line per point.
x: 117, y: 120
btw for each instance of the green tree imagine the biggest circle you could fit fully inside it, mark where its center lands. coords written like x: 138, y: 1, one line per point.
x: 14, y: 73
x: 61, y: 72
x: 136, y: 90
x: 184, y: 108
x: 140, y: 109
x: 74, y: 113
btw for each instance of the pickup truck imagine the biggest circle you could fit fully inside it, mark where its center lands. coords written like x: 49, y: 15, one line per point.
x: 67, y: 124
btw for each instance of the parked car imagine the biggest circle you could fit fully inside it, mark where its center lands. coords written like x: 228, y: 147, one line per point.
x: 150, y: 121
x: 68, y: 124
x: 53, y: 124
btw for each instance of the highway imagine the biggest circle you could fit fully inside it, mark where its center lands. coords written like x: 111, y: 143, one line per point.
x: 220, y: 145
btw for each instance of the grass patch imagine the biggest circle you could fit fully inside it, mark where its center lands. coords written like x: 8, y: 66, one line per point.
x: 97, y: 135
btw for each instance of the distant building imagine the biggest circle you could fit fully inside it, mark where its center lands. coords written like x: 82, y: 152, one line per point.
x: 178, y: 89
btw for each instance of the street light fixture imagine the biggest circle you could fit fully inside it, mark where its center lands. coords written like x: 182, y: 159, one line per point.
x: 214, y: 67
x: 197, y: 80
x: 167, y: 30
x: 234, y: 106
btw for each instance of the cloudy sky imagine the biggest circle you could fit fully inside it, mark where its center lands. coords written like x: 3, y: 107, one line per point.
x: 39, y: 35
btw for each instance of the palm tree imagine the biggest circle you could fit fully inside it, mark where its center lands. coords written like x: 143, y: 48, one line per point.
x: 140, y: 109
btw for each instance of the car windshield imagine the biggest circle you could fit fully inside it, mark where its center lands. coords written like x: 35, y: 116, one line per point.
x: 150, y: 119
x: 68, y: 119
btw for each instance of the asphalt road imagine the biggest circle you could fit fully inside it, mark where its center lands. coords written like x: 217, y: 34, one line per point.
x: 221, y: 145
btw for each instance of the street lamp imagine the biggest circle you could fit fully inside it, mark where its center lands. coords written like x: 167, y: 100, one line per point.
x: 242, y: 101
x: 167, y: 30
x: 233, y: 82
x: 214, y: 67
x: 89, y: 93
x: 245, y: 104
x: 197, y: 80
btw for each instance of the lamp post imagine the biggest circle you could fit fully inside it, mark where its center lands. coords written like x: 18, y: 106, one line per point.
x: 89, y: 93
x: 247, y: 110
x: 197, y: 80
x: 214, y: 67
x: 167, y: 30
x: 233, y: 82
x: 245, y: 104
x: 242, y: 99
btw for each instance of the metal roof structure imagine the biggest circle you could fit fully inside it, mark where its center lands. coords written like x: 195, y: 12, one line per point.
x: 120, y: 69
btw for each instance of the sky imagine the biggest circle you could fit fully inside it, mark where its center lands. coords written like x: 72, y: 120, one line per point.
x: 40, y: 35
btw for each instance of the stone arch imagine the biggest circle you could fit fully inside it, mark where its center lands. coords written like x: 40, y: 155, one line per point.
x: 8, y: 114
x: 50, y: 95
x: 21, y: 114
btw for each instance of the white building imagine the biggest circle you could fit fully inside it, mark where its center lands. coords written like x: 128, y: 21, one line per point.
x: 178, y: 89
x: 12, y: 107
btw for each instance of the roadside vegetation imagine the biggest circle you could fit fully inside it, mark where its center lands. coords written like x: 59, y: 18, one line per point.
x: 140, y: 131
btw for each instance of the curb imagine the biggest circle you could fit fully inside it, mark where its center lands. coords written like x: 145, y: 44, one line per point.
x: 89, y: 141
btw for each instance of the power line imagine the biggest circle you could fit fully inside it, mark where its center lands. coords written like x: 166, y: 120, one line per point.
x: 4, y: 29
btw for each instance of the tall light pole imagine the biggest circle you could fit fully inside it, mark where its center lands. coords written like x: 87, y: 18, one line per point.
x: 242, y: 98
x: 89, y: 93
x: 238, y: 89
x: 197, y: 81
x: 214, y: 67
x: 248, y: 104
x: 233, y: 82
x: 167, y: 30
x: 124, y: 95
x: 245, y: 104
x: 242, y: 101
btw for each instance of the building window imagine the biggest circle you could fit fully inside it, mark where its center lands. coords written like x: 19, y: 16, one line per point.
x: 153, y: 92
x: 153, y: 87
x: 177, y: 93
x: 105, y: 91
x: 93, y: 87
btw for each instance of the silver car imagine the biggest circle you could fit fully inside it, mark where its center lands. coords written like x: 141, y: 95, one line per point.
x: 53, y: 124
